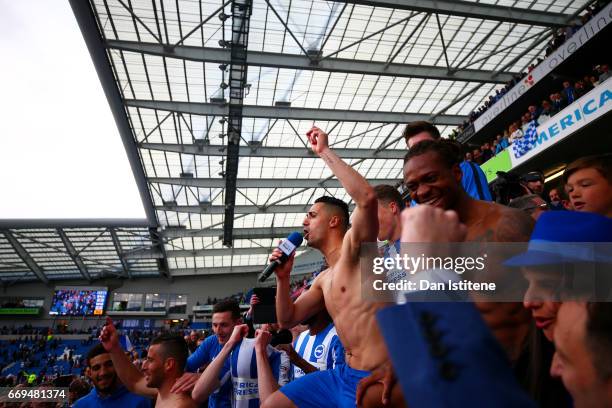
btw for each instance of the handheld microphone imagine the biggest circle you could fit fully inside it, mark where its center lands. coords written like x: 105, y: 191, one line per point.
x: 287, y: 247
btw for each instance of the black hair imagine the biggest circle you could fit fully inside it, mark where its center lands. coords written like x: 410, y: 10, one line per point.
x: 95, y: 351
x: 175, y: 346
x: 419, y: 126
x: 340, y: 205
x: 449, y: 151
x: 227, y: 305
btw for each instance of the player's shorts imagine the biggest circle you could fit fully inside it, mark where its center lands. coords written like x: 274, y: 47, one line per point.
x: 324, y: 389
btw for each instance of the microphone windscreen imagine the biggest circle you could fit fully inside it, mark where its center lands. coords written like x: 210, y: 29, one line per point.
x: 296, y: 238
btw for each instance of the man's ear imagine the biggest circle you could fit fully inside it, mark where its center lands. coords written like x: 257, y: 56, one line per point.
x: 457, y: 173
x: 169, y: 364
x: 394, y: 208
x: 88, y: 372
x: 334, y: 221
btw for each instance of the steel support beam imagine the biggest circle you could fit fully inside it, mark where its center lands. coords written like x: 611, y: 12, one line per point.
x: 95, y: 44
x: 273, y: 112
x: 241, y: 15
x: 239, y: 233
x: 26, y: 223
x: 240, y: 209
x: 300, y: 62
x: 186, y: 253
x: 260, y: 183
x: 119, y: 249
x: 472, y: 10
x: 224, y: 270
x: 264, y: 151
x: 25, y: 256
x: 73, y: 254
x: 158, y: 248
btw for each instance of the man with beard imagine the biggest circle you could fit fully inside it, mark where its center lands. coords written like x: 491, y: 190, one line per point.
x: 337, y: 289
x: 165, y: 363
x: 432, y: 174
x: 108, y: 390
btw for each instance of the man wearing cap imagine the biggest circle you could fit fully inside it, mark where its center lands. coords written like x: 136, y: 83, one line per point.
x: 534, y: 181
x: 560, y: 271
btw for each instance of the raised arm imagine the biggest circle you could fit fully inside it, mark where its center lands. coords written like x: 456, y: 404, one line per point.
x: 129, y: 375
x: 209, y: 380
x: 365, y: 217
x: 266, y: 382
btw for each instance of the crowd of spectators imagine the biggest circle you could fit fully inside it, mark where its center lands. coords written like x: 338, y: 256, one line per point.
x: 540, y: 113
x: 560, y: 36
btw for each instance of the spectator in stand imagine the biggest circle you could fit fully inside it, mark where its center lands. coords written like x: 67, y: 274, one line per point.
x: 605, y: 73
x: 534, y: 182
x: 486, y: 152
x: 557, y: 102
x: 495, y: 149
x: 588, y: 182
x: 502, y: 143
x: 515, y: 133
x: 532, y: 204
x: 473, y: 179
x: 593, y: 80
x: 477, y: 157
x: 468, y: 157
x: 534, y: 112
x: 192, y: 341
x: 108, y: 390
x: 586, y: 81
x: 568, y: 93
x: 579, y: 89
x: 556, y: 203
x: 525, y: 120
x: 546, y: 113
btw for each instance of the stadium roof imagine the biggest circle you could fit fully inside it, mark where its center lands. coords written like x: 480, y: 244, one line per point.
x: 213, y: 99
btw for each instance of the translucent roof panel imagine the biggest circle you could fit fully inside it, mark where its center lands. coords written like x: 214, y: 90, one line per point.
x: 360, y: 72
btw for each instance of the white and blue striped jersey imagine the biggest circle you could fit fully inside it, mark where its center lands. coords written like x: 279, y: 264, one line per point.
x: 323, y: 350
x: 243, y: 371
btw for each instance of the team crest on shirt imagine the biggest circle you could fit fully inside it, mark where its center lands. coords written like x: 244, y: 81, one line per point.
x: 319, y: 351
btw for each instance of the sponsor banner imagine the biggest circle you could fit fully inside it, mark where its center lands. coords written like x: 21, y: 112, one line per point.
x: 500, y: 162
x: 20, y: 311
x: 585, y: 110
x: 466, y: 134
x: 581, y: 37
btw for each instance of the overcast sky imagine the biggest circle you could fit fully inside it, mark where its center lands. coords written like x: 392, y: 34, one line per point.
x: 61, y: 155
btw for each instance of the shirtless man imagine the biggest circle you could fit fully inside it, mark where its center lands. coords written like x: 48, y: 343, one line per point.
x: 165, y: 363
x: 338, y: 289
x: 433, y: 175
